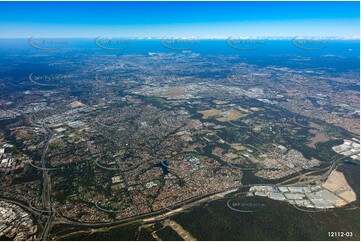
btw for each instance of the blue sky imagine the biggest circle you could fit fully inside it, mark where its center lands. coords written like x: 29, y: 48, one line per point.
x: 183, y: 19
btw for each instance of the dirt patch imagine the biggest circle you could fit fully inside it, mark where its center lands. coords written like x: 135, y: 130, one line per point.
x: 230, y: 115
x: 238, y: 147
x: 210, y: 113
x: 77, y: 104
x: 337, y: 184
x: 224, y: 116
x: 220, y: 102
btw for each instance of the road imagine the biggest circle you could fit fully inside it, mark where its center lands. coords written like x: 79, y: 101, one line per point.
x: 46, y: 177
x: 54, y: 216
x: 46, y: 186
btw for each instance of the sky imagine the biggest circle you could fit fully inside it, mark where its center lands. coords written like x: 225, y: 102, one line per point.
x: 178, y: 19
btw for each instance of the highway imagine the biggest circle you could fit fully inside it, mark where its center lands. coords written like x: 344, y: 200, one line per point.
x: 55, y: 216
x: 52, y: 215
x: 46, y: 187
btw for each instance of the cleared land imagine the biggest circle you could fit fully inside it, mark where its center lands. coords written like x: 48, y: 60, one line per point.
x: 319, y: 136
x: 172, y: 92
x: 230, y: 115
x: 225, y: 116
x: 210, y: 113
x: 337, y: 184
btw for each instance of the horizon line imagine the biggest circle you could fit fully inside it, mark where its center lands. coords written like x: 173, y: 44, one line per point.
x: 193, y: 37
